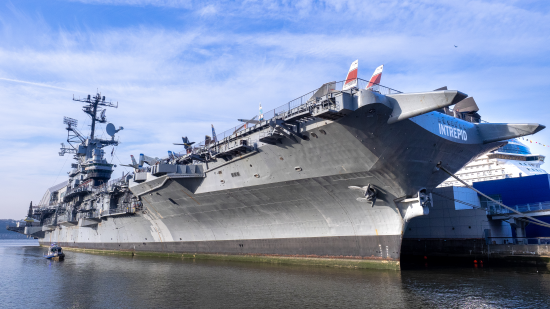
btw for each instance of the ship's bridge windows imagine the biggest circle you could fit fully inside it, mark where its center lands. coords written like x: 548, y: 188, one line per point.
x: 514, y: 148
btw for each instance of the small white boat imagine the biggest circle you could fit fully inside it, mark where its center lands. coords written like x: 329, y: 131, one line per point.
x: 55, y: 253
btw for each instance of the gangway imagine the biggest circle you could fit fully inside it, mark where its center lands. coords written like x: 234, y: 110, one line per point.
x: 514, y: 213
x: 533, y: 209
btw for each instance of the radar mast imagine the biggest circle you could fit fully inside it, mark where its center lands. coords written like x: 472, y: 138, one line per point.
x: 91, y: 164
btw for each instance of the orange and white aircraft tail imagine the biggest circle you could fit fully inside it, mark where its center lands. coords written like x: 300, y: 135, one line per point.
x: 375, y: 79
x: 351, y: 79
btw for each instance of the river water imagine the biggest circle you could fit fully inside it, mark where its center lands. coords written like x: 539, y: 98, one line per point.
x: 27, y: 280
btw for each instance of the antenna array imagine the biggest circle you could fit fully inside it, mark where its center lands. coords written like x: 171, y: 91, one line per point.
x: 95, y: 106
x: 70, y: 122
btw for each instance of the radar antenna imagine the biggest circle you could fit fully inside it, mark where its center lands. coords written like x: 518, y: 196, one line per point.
x: 65, y: 150
x: 93, y: 106
x: 96, y: 108
x: 73, y: 136
x: 91, y: 163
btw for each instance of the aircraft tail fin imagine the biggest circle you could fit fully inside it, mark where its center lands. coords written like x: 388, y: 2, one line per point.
x: 351, y: 78
x: 133, y: 160
x: 214, y: 138
x: 376, y: 77
x: 141, y: 159
x: 261, y: 118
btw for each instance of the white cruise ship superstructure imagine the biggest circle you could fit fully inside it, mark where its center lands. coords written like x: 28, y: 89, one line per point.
x: 509, y: 161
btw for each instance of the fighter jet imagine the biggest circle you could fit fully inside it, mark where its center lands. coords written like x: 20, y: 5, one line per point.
x: 149, y: 160
x: 173, y: 155
x: 134, y: 164
x: 369, y: 193
x: 186, y: 142
x: 350, y: 82
x: 142, y: 159
x: 246, y: 122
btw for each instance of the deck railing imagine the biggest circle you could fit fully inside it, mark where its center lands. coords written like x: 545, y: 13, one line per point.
x: 87, y: 186
x: 302, y: 101
x: 305, y: 99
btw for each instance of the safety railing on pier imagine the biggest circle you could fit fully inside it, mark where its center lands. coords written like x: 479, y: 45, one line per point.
x: 495, y: 209
x: 518, y: 240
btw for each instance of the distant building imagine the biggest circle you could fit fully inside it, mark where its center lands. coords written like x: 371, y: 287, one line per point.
x: 509, y: 161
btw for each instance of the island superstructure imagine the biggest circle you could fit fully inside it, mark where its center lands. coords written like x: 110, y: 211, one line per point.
x: 336, y: 173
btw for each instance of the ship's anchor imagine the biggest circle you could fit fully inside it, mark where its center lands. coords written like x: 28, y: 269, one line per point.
x: 368, y: 191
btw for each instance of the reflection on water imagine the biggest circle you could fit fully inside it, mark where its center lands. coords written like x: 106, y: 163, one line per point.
x: 104, y: 281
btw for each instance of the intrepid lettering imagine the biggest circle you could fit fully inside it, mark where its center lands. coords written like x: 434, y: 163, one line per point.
x: 452, y: 132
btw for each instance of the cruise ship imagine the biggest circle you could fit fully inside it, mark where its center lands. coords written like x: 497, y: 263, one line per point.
x: 335, y: 174
x: 509, y: 161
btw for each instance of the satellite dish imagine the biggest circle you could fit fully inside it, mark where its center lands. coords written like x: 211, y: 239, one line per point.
x: 111, y: 130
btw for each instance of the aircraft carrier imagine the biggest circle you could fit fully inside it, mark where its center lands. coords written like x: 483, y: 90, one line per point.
x: 336, y: 173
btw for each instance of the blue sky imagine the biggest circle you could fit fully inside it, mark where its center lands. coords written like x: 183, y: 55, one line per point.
x: 175, y: 67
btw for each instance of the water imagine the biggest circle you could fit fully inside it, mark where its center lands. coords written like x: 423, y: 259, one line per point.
x: 27, y: 280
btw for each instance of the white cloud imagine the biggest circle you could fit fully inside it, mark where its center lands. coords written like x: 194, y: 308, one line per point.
x: 161, y: 3
x: 208, y: 10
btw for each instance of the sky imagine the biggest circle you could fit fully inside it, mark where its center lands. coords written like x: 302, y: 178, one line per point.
x: 176, y: 67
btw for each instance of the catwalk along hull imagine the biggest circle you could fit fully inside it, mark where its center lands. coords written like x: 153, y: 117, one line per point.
x: 293, y: 198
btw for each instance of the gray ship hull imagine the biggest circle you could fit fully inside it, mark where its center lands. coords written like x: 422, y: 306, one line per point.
x: 292, y: 198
